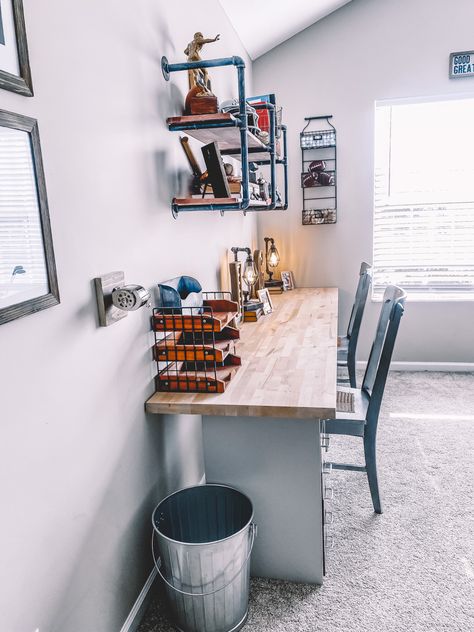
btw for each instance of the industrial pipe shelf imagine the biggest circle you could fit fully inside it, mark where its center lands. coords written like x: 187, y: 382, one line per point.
x: 234, y: 139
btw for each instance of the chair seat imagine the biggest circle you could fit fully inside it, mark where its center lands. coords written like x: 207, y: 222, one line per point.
x: 351, y: 424
x: 361, y: 403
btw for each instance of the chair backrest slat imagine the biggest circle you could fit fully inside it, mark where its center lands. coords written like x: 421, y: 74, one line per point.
x: 355, y: 320
x: 380, y: 356
x: 391, y: 295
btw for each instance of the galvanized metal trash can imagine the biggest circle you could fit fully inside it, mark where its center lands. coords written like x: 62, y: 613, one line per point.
x: 205, y: 537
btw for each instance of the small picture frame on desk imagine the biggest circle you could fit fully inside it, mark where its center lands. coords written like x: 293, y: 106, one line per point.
x: 288, y: 280
x: 264, y: 297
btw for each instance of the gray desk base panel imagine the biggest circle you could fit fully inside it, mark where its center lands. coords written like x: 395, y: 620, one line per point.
x: 277, y: 463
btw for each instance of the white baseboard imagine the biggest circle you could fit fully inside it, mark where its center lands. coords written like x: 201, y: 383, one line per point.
x: 459, y: 367
x: 138, y: 610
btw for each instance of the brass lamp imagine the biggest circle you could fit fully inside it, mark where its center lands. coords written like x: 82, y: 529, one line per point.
x: 272, y: 259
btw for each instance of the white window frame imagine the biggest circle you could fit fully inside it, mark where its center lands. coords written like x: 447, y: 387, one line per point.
x: 416, y: 298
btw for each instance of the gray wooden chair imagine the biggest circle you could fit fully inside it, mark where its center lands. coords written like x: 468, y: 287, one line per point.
x: 364, y: 404
x: 347, y: 345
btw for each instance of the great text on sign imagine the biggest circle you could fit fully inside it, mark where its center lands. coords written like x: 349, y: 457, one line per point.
x: 461, y: 64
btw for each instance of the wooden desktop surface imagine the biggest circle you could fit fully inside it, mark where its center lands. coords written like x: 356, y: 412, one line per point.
x: 289, y: 363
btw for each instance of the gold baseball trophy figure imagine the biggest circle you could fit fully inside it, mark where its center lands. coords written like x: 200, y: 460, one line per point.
x: 199, y: 77
x: 200, y: 98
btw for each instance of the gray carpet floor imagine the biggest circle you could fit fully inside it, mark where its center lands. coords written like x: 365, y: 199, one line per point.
x: 412, y: 568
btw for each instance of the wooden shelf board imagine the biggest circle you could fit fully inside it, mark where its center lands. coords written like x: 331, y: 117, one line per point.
x: 187, y: 323
x: 184, y: 202
x: 177, y: 351
x: 199, y: 119
x: 228, y: 138
x: 204, y: 201
x: 221, y: 305
x: 262, y: 206
x: 214, y: 380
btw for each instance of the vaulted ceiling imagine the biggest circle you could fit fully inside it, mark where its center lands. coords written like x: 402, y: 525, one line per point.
x: 263, y: 24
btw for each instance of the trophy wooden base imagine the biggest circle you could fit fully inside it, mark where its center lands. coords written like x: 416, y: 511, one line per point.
x: 204, y: 104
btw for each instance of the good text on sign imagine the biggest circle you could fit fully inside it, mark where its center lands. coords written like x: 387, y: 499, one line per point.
x: 461, y: 64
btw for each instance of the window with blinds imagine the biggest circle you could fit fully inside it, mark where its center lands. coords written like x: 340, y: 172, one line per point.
x: 22, y: 262
x: 424, y: 199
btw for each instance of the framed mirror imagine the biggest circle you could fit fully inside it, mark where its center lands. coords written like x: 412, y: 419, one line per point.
x: 28, y: 281
x: 15, y: 74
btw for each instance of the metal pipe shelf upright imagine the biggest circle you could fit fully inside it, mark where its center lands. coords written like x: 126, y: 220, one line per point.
x: 234, y: 139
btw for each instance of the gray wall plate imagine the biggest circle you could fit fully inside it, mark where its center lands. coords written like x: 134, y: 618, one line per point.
x: 104, y: 285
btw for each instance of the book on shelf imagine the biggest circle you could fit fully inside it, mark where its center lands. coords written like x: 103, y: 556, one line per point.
x: 252, y: 316
x: 252, y: 306
x: 274, y: 286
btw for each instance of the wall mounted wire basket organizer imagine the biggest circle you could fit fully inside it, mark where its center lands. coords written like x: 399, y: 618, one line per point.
x: 318, y: 172
x: 195, y: 346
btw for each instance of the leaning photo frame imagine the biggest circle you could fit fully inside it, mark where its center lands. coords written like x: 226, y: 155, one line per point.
x: 15, y: 73
x: 215, y: 169
x: 287, y: 280
x: 264, y: 297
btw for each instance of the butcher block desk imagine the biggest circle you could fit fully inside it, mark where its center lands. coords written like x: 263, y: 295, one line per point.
x: 262, y: 435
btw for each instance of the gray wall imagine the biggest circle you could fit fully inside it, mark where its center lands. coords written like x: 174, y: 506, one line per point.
x: 367, y: 50
x: 81, y: 466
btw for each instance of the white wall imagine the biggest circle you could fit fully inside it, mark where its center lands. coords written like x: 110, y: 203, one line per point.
x: 81, y: 465
x: 368, y: 50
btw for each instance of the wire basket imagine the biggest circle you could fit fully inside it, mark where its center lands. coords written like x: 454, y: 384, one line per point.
x: 319, y: 216
x: 317, y: 139
x: 195, y: 346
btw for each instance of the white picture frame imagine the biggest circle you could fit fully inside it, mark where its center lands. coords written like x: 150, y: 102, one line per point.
x: 264, y: 298
x: 287, y: 280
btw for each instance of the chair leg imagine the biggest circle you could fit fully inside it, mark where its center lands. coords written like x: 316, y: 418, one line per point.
x: 371, y: 466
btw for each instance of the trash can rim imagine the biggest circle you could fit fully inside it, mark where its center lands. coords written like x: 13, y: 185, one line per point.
x: 165, y: 537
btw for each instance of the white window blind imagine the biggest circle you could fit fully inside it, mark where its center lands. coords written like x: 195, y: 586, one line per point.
x: 22, y: 261
x: 424, y: 199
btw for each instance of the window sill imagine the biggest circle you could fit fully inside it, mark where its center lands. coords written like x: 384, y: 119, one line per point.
x: 431, y: 299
